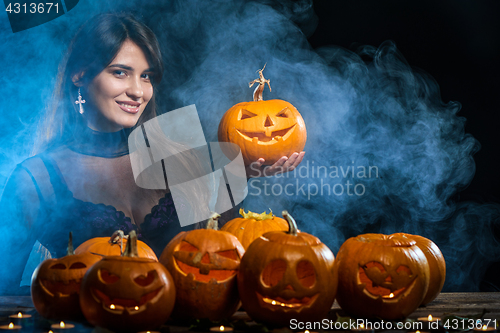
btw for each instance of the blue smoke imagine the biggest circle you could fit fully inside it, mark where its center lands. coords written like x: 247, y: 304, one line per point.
x: 377, y: 128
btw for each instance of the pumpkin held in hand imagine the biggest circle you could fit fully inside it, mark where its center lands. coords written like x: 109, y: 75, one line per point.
x: 437, y: 266
x: 113, y: 246
x: 251, y: 226
x: 55, y: 284
x: 381, y: 276
x: 204, y: 263
x: 127, y: 293
x: 268, y: 129
x: 287, y: 275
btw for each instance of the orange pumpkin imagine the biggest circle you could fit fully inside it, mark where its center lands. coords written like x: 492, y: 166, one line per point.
x: 204, y: 263
x: 251, y: 226
x: 381, y: 276
x: 127, y: 293
x: 287, y: 275
x: 437, y: 266
x: 268, y: 129
x: 55, y: 284
x: 113, y: 246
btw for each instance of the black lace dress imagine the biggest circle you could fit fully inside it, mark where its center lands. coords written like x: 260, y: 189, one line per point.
x: 87, y: 188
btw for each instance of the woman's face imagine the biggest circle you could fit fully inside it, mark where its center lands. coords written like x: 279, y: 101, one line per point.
x: 119, y: 94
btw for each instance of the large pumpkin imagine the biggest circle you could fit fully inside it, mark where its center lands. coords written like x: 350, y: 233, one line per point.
x: 251, y: 226
x: 55, y: 285
x: 287, y: 275
x: 113, y: 246
x: 204, y: 263
x: 263, y: 129
x: 381, y: 276
x: 437, y: 266
x: 127, y: 293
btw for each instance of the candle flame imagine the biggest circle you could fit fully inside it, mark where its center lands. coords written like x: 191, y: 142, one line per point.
x: 19, y: 315
x: 221, y: 328
x: 62, y: 324
x: 417, y: 332
x: 273, y: 302
x: 112, y: 306
x: 51, y: 331
x: 485, y: 327
x: 306, y: 331
x: 391, y: 295
x: 136, y: 308
x: 429, y: 318
x: 362, y: 326
x: 11, y: 325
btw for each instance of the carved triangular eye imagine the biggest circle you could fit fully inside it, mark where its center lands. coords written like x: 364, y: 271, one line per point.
x: 230, y: 254
x: 244, y: 114
x: 188, y: 247
x: 285, y: 113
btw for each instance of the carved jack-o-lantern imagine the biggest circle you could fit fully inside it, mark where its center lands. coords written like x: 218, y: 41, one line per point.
x: 55, y: 285
x: 127, y: 293
x: 381, y: 276
x: 268, y: 129
x: 287, y: 275
x: 204, y: 264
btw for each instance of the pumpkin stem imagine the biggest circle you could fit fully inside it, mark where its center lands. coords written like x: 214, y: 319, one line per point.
x: 292, y: 225
x: 213, y: 221
x: 258, y: 217
x: 71, y: 249
x: 131, y: 249
x: 117, y: 235
x: 257, y: 94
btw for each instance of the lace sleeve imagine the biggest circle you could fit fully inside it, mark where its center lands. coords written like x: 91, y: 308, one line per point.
x: 19, y: 209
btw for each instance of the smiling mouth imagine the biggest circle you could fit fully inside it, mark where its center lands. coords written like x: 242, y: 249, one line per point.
x: 267, y: 137
x: 129, y: 107
x: 286, y: 305
x: 60, y: 289
x: 120, y: 305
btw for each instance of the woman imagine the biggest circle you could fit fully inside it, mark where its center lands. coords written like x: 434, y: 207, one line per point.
x: 82, y: 179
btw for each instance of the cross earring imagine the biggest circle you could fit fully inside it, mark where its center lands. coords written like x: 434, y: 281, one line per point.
x: 80, y: 101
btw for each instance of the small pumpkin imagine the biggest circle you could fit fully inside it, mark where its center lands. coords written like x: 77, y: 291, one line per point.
x: 127, y: 293
x: 437, y: 266
x: 268, y: 129
x: 204, y: 264
x: 287, y: 275
x: 252, y: 225
x: 113, y: 246
x: 381, y: 276
x: 55, y: 284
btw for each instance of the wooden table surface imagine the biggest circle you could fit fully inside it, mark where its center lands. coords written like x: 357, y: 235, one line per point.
x: 458, y: 304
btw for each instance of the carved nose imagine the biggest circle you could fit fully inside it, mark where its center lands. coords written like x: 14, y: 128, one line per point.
x: 289, y: 287
x: 268, y: 122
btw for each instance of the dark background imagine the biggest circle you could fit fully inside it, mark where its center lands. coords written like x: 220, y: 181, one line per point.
x: 456, y: 41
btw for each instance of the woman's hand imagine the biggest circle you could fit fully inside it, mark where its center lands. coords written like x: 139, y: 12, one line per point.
x: 284, y: 164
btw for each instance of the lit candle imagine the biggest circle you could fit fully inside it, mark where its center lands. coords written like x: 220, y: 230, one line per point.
x: 62, y: 326
x: 20, y: 316
x: 430, y: 322
x: 361, y: 328
x: 148, y: 332
x: 485, y: 328
x: 221, y: 329
x: 11, y: 326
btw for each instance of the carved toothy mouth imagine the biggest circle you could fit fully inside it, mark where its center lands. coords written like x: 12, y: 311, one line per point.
x: 119, y: 305
x: 282, y: 304
x: 61, y: 289
x: 202, y: 275
x: 267, y: 137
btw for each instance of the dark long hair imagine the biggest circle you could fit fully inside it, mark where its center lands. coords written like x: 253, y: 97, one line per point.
x: 92, y: 49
